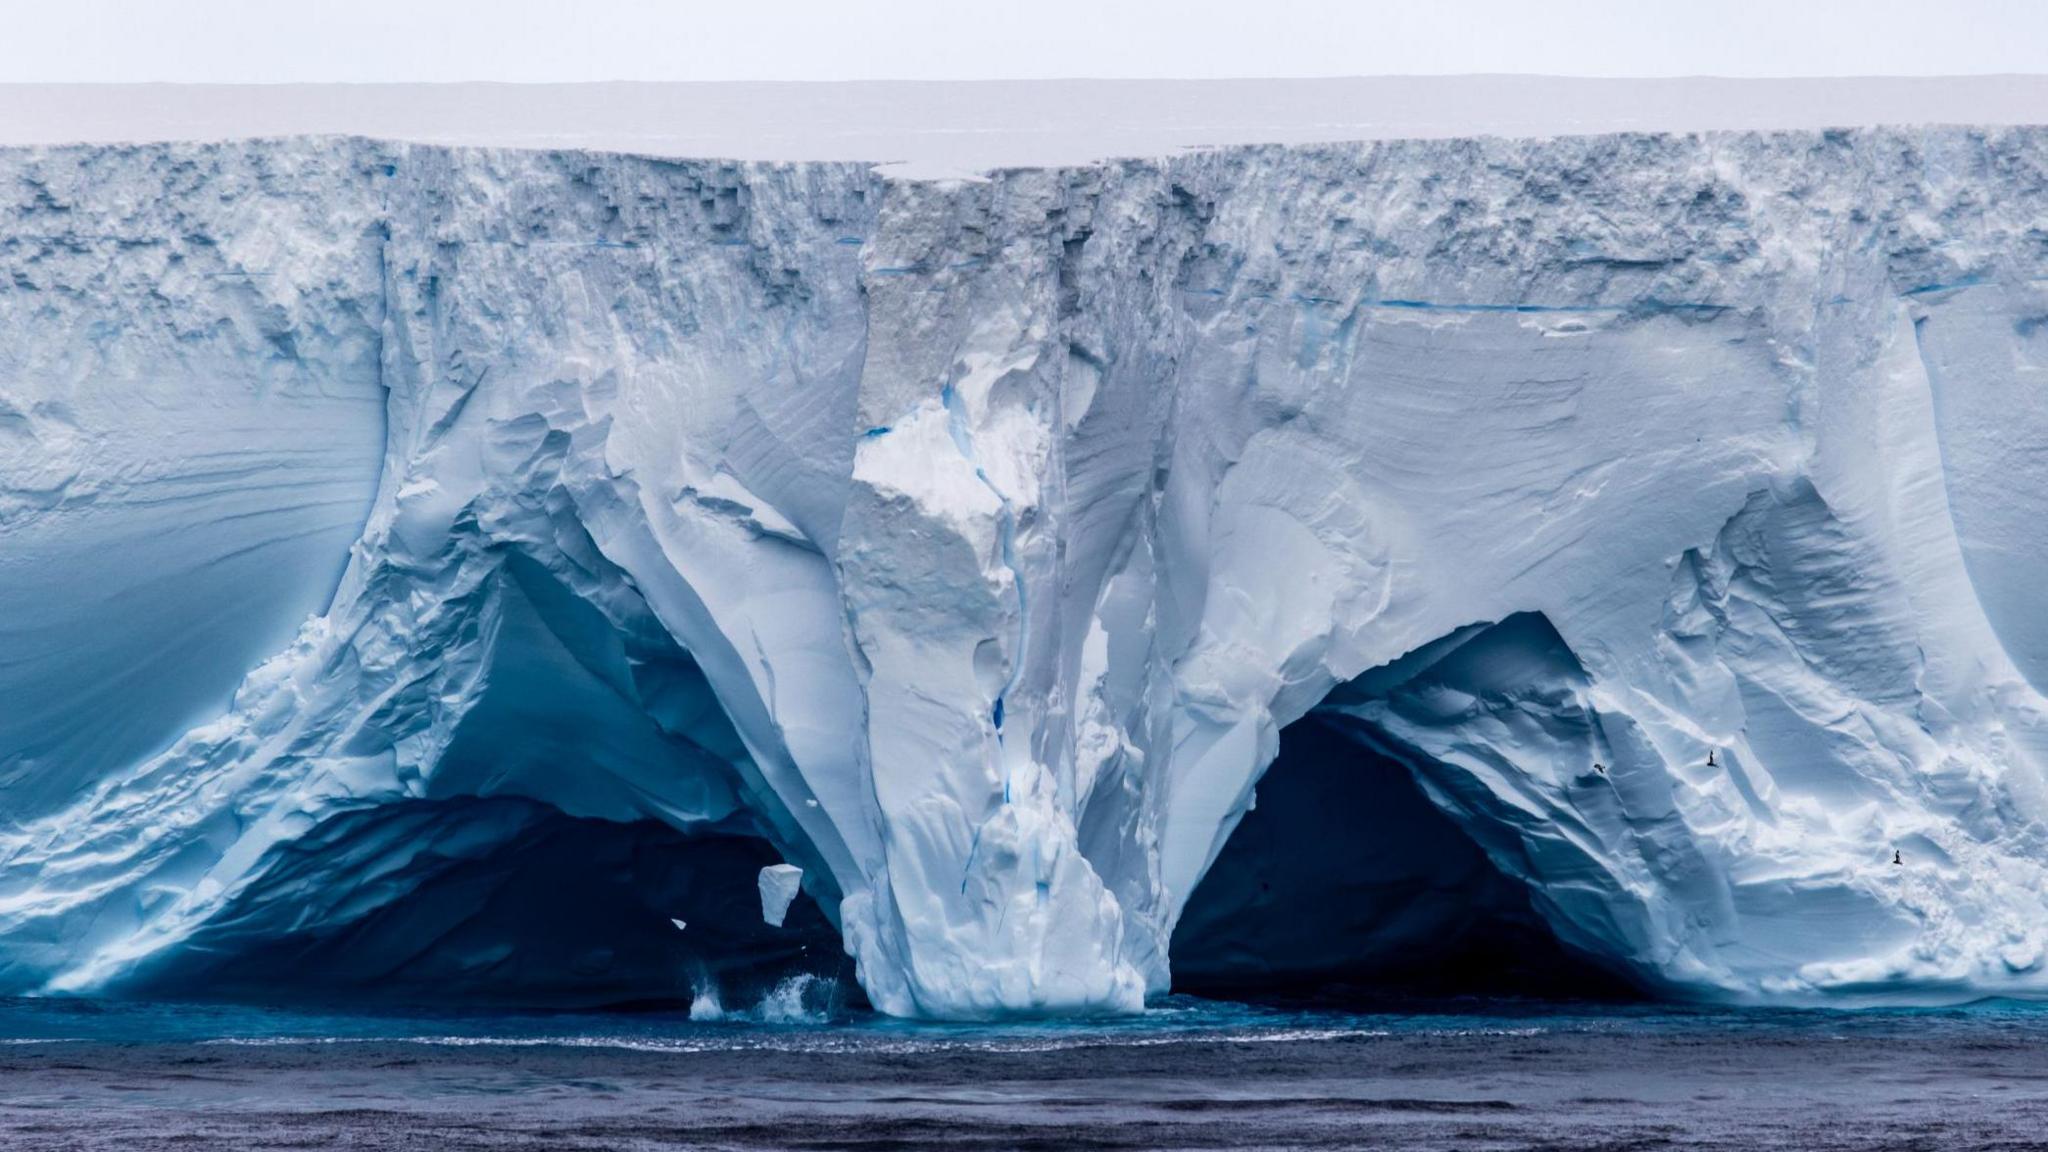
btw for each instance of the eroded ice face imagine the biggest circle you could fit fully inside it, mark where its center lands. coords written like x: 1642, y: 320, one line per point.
x: 966, y: 546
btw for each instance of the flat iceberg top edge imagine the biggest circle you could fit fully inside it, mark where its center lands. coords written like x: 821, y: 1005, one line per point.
x: 941, y: 129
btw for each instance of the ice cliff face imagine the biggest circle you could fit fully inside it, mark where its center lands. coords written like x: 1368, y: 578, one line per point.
x: 361, y: 505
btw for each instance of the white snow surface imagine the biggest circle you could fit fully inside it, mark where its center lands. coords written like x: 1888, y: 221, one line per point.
x: 973, y: 540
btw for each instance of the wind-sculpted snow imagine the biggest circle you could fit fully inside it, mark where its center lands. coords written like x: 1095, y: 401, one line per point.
x: 971, y: 543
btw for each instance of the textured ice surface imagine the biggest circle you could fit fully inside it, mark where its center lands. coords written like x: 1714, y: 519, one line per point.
x: 972, y: 541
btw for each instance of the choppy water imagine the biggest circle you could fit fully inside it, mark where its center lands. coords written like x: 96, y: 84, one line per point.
x: 1188, y: 1074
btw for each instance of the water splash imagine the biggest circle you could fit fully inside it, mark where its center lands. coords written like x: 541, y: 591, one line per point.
x: 704, y: 1003
x: 801, y: 999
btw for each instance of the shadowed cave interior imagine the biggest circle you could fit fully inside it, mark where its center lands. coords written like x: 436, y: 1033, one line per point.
x: 530, y: 875
x: 506, y: 902
x: 1345, y: 883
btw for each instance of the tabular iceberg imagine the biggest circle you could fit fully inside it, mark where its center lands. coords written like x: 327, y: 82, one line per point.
x: 372, y: 514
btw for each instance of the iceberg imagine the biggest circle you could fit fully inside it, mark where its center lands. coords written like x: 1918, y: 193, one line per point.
x: 386, y: 523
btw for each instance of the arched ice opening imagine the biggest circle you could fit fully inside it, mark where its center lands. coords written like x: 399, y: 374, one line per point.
x: 1368, y: 869
x: 584, y: 839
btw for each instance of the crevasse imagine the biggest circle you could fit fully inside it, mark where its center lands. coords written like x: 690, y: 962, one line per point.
x: 969, y: 544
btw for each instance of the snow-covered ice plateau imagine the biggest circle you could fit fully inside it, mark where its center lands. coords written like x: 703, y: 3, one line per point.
x: 1668, y: 507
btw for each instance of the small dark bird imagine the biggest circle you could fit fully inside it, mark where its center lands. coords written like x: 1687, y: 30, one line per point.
x: 1710, y: 759
x: 1895, y: 857
x: 1599, y: 767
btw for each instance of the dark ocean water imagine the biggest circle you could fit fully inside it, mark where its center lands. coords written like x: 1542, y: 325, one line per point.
x: 1189, y: 1074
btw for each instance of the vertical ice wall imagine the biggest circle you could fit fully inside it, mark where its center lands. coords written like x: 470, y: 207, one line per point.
x: 191, y: 430
x: 972, y: 541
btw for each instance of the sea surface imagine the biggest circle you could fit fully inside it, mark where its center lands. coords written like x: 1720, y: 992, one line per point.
x: 1187, y: 1074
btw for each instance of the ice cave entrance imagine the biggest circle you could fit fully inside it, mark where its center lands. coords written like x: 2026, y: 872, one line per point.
x: 537, y: 871
x: 1346, y: 883
x: 510, y: 903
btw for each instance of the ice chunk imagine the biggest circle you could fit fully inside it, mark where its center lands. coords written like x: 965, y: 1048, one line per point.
x: 779, y: 886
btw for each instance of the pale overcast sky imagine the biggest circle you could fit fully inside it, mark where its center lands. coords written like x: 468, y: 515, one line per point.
x: 572, y: 40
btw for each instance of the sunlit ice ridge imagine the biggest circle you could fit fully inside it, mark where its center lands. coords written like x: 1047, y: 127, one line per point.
x: 1236, y: 555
